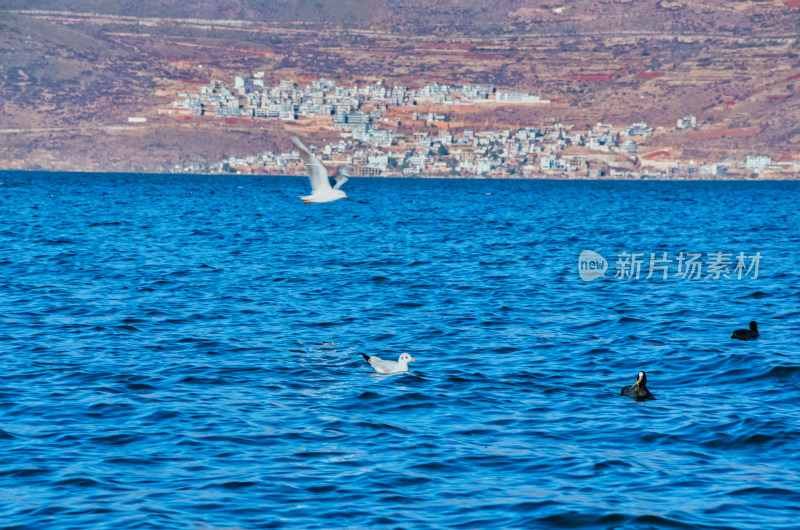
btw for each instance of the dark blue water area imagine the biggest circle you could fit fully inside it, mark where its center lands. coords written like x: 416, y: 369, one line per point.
x: 183, y: 351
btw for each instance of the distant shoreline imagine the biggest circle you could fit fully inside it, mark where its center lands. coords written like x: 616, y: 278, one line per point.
x: 417, y: 177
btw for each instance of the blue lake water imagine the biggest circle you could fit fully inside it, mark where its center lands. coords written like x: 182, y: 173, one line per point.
x: 185, y: 352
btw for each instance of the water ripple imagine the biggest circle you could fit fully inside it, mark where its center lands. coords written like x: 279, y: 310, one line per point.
x: 185, y: 352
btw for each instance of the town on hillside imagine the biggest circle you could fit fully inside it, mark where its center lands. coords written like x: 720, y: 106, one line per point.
x: 427, y: 132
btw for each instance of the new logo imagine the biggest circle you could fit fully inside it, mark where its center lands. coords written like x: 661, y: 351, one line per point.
x: 591, y: 265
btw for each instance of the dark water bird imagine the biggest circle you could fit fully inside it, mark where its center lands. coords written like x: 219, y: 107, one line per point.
x: 746, y: 334
x: 638, y: 389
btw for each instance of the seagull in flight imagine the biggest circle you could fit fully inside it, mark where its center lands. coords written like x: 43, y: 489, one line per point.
x: 321, y: 190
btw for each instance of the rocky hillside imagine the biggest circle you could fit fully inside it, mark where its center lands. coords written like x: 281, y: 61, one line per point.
x: 71, y: 73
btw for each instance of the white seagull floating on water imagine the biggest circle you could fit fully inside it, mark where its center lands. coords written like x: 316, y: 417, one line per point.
x: 389, y: 367
x: 321, y: 190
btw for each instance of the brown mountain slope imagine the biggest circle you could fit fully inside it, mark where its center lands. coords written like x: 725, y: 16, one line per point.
x: 65, y: 78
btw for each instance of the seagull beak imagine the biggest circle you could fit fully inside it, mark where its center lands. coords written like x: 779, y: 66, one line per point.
x: 308, y: 202
x: 412, y: 360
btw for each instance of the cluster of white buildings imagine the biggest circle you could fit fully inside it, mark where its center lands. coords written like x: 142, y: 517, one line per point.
x: 357, y: 109
x: 553, y: 151
x: 372, y: 143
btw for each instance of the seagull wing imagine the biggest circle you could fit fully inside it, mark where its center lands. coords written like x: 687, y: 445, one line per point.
x: 316, y: 171
x: 380, y: 365
x: 385, y: 367
x: 341, y: 177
